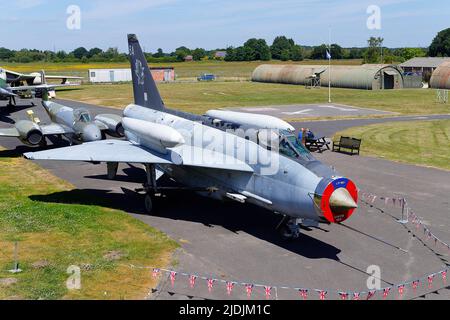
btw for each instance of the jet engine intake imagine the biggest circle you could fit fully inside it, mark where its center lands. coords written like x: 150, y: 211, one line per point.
x: 30, y: 132
x: 114, y: 124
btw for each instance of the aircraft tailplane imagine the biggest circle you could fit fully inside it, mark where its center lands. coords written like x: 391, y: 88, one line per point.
x: 146, y: 93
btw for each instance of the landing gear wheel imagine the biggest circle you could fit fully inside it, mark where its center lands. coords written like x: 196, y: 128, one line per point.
x: 150, y: 204
x: 286, y: 233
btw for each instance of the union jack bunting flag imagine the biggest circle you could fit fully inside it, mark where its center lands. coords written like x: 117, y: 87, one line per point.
x: 249, y: 289
x: 415, y: 284
x: 322, y: 294
x: 386, y: 292
x: 444, y: 276
x: 267, y: 290
x: 430, y: 280
x: 155, y: 272
x: 230, y: 286
x: 344, y: 295
x: 356, y: 295
x: 173, y: 275
x: 303, y: 293
x: 192, y: 279
x: 401, y: 289
x: 370, y: 294
x: 210, y: 284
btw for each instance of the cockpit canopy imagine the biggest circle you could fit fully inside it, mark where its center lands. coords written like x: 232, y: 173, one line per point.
x: 82, y: 115
x: 286, y: 142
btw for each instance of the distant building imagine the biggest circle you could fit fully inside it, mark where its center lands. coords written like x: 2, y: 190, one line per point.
x: 367, y: 76
x: 220, y: 54
x: 422, y: 65
x: 160, y: 74
x: 189, y: 58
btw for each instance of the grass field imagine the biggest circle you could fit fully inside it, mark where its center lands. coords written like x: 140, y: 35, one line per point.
x: 425, y: 143
x: 183, y: 70
x: 200, y: 97
x: 53, y: 235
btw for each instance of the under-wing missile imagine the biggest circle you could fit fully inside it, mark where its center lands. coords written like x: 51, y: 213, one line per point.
x: 155, y: 136
x: 256, y: 121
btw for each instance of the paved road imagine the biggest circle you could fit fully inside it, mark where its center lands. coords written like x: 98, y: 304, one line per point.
x: 238, y: 242
x: 311, y: 111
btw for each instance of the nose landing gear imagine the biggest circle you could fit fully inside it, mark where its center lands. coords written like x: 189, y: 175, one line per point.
x: 289, y: 228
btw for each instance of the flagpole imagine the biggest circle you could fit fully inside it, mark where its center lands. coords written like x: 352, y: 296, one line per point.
x: 329, y: 66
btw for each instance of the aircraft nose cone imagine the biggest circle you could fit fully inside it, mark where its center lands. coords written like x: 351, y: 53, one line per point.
x: 91, y: 133
x: 341, y: 200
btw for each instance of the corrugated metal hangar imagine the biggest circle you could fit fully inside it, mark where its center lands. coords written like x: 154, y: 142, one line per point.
x: 368, y: 77
x: 441, y: 77
x: 163, y: 74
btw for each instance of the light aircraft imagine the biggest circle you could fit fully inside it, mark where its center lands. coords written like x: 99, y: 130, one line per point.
x: 75, y: 124
x: 11, y: 85
x: 223, y: 155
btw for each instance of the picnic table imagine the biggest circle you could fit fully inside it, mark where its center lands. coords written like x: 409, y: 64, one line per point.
x: 319, y: 144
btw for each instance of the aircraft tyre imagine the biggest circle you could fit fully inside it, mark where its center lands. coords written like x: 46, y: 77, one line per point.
x: 150, y: 204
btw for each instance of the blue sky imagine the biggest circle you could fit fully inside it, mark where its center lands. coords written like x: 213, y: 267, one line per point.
x: 211, y: 24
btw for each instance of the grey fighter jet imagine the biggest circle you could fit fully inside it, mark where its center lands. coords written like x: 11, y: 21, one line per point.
x: 261, y: 162
x: 76, y: 125
x: 11, y: 85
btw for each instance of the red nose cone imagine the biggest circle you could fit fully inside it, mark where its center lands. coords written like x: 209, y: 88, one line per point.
x: 339, y: 200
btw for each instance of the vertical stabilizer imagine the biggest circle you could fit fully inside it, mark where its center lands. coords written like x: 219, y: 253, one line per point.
x: 146, y: 93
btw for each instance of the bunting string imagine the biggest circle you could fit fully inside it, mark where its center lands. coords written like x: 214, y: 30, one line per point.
x: 322, y: 294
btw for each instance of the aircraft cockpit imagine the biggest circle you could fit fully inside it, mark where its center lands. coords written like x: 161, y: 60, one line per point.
x: 82, y: 115
x: 287, y: 144
x: 291, y: 147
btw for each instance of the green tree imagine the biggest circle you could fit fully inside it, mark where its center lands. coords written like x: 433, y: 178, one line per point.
x: 257, y: 49
x: 93, y: 52
x: 6, y: 54
x: 198, y: 54
x: 409, y: 53
x: 319, y: 52
x: 181, y: 53
x: 280, y: 45
x: 80, y: 52
x: 296, y: 53
x: 440, y: 47
x: 159, y: 53
x: 373, y: 52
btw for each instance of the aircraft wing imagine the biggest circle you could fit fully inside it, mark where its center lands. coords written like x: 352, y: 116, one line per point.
x: 54, y: 128
x: 125, y: 151
x: 9, y: 132
x: 104, y: 151
x: 42, y: 86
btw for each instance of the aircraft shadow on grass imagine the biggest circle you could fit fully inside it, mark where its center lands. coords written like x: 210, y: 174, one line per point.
x: 192, y: 207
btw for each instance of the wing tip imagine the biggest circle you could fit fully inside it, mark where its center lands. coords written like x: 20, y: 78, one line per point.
x: 28, y: 155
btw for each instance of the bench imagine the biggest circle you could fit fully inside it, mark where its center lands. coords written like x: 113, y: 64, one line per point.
x: 352, y: 145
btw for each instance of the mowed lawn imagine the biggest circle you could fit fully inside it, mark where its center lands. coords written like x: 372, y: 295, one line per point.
x: 199, y: 97
x: 183, y: 70
x: 56, y: 227
x: 424, y: 143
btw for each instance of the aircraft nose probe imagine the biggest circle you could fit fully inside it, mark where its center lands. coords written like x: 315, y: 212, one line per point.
x: 336, y: 199
x: 341, y: 200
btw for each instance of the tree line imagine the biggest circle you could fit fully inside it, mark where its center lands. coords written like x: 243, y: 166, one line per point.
x: 282, y: 48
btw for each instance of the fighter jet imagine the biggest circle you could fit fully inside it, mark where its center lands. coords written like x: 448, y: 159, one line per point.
x: 76, y: 125
x: 11, y: 85
x: 266, y: 166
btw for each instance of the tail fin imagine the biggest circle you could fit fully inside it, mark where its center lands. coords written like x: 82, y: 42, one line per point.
x: 146, y: 93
